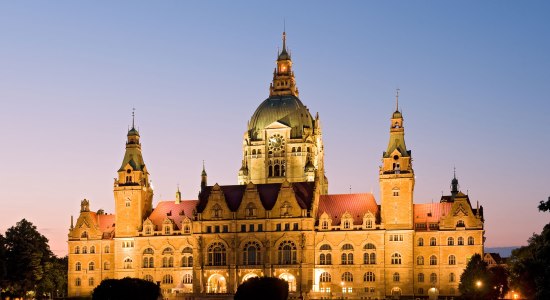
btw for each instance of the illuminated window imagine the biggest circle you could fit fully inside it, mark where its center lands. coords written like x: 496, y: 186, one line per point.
x: 325, y: 277
x: 217, y: 254
x: 167, y: 279
x: 287, y: 253
x: 347, y: 277
x: 252, y: 253
x: 187, y: 279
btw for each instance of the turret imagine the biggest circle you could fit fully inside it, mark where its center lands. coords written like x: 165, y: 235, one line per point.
x: 204, y: 177
x: 132, y: 189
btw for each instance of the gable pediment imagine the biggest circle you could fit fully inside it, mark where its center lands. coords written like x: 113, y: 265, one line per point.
x: 277, y: 125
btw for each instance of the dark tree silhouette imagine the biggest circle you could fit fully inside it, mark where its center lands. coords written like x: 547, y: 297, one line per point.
x: 264, y: 288
x: 126, y: 288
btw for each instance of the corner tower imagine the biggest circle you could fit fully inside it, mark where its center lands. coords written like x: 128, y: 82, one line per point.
x: 397, y: 177
x: 132, y: 189
x: 283, y: 141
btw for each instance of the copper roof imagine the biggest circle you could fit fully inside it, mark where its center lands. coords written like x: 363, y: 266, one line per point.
x: 356, y: 204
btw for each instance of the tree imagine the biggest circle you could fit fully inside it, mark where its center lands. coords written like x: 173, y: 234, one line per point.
x: 265, y: 288
x: 545, y: 205
x: 530, y: 266
x: 126, y: 288
x: 54, y: 282
x: 27, y: 256
x: 3, y: 267
x: 477, y: 282
x: 499, y: 278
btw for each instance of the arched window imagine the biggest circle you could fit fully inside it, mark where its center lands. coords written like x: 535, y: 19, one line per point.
x: 167, y: 279
x: 216, y: 211
x: 106, y: 265
x: 452, y: 277
x: 187, y: 279
x: 77, y: 250
x: 325, y: 277
x: 149, y: 251
x: 396, y: 259
x: 167, y: 251
x: 460, y: 223
x: 107, y: 249
x: 84, y: 235
x: 460, y: 241
x: 167, y: 262
x: 450, y: 241
x: 369, y: 277
x: 433, y: 278
x: 452, y: 260
x: 91, y: 266
x: 347, y: 224
x: 167, y: 230
x: 287, y: 253
x: 369, y: 257
x: 470, y: 240
x: 347, y: 247
x: 216, y: 254
x: 84, y: 250
x: 252, y: 253
x: 420, y: 242
x: 369, y: 246
x: 187, y: 257
x: 148, y: 278
x: 396, y: 277
x: 78, y: 266
x: 91, y: 281
x: 420, y: 260
x: 250, y: 210
x: 347, y: 277
x: 127, y: 263
x: 92, y: 249
x: 433, y: 242
x: 420, y: 277
x: 347, y: 255
x: 368, y: 223
x: 77, y: 282
x: 433, y: 260
x: 326, y: 247
x: 324, y: 225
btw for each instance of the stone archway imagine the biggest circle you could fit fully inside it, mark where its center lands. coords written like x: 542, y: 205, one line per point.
x: 395, y: 293
x: 291, y: 279
x: 216, y: 284
x: 433, y: 293
x: 248, y: 276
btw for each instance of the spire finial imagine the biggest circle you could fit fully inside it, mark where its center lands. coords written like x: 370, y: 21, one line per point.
x: 454, y: 172
x: 397, y: 99
x: 133, y: 117
x: 203, y: 164
x: 284, y: 41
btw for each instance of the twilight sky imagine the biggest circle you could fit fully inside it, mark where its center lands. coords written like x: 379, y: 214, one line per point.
x: 474, y: 79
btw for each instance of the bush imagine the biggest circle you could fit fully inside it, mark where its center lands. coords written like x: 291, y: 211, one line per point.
x: 126, y: 288
x: 265, y: 288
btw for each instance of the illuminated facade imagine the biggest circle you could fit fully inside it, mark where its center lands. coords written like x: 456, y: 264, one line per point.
x: 280, y: 220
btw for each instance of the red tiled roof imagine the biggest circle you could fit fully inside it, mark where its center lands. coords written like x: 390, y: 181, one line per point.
x: 356, y: 204
x: 175, y: 212
x: 431, y: 212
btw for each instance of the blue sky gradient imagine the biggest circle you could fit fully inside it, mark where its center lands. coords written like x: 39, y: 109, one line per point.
x: 474, y: 79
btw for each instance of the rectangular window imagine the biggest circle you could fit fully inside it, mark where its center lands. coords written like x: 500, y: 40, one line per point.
x: 208, y: 229
x: 260, y: 227
x: 243, y: 228
x: 251, y: 227
x: 295, y: 226
x: 225, y: 228
x: 287, y: 226
x: 279, y: 227
x: 217, y: 229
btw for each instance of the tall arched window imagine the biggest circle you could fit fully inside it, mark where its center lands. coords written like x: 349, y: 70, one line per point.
x: 433, y: 242
x: 452, y: 277
x: 92, y: 249
x: 78, y: 266
x: 167, y: 279
x: 396, y: 277
x: 91, y: 281
x: 77, y: 282
x: 420, y: 260
x: 369, y: 277
x: 460, y: 241
x: 187, y: 279
x: 470, y: 240
x: 84, y: 250
x: 77, y: 250
x: 396, y: 259
x: 107, y: 249
x: 452, y: 260
x: 106, y: 265
x: 217, y: 254
x: 347, y: 277
x: 369, y: 256
x: 127, y: 263
x: 252, y: 253
x: 91, y: 266
x: 347, y: 254
x: 420, y: 277
x: 450, y: 241
x: 148, y: 278
x: 325, y: 277
x: 433, y: 278
x: 187, y: 257
x: 287, y: 253
x: 433, y: 260
x: 420, y: 242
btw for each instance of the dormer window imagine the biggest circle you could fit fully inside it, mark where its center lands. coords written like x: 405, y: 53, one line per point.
x: 460, y: 223
x: 148, y: 230
x: 250, y: 210
x: 217, y: 211
x: 324, y: 225
x: 167, y: 230
x: 187, y: 229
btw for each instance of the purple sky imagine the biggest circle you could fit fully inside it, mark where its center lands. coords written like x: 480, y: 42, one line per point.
x: 474, y: 79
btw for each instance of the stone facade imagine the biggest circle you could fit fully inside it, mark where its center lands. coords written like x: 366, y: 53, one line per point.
x: 279, y: 220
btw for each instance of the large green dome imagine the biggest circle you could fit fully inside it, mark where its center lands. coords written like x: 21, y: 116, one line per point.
x: 287, y: 109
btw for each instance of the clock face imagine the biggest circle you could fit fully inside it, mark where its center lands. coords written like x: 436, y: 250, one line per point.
x: 276, y: 142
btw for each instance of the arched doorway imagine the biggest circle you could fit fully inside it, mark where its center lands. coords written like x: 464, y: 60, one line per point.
x: 248, y: 276
x: 291, y: 281
x: 433, y: 293
x: 216, y: 284
x: 395, y: 293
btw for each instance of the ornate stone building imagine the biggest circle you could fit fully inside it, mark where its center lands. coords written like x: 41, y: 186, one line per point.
x: 280, y: 220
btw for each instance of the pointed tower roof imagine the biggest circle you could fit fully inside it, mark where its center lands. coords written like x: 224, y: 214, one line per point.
x: 283, y: 55
x: 397, y: 133
x: 133, y: 154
